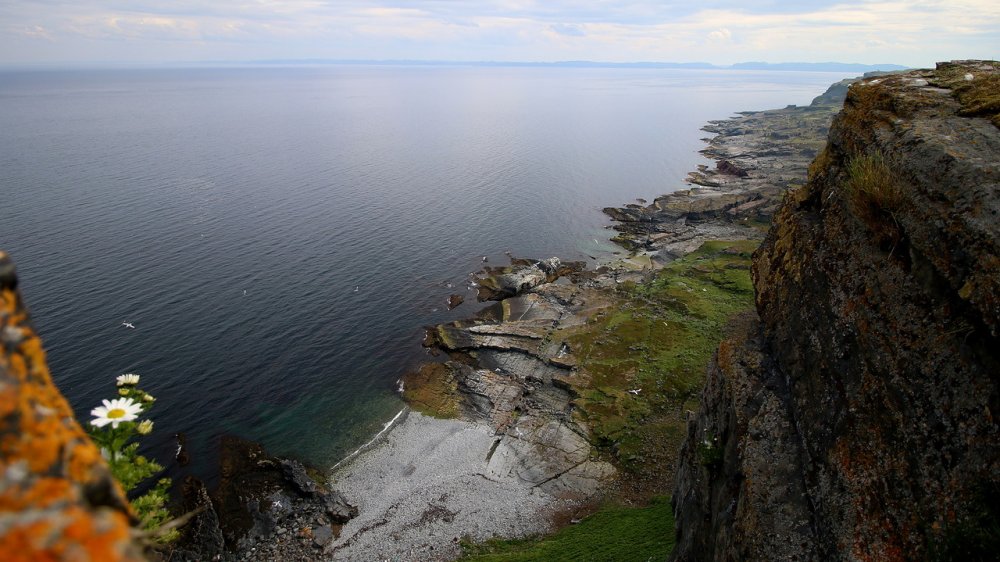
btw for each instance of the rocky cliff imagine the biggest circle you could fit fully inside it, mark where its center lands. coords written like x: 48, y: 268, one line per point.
x: 853, y: 417
x: 58, y: 500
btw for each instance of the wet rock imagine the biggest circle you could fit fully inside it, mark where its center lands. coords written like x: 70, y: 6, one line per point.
x: 295, y: 473
x: 183, y: 457
x: 201, y: 538
x: 454, y: 301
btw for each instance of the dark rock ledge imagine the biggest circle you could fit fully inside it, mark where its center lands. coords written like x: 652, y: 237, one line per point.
x: 264, y: 508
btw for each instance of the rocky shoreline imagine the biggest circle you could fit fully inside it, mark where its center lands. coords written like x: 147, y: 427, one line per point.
x: 528, y: 411
x: 759, y: 155
x: 510, y: 384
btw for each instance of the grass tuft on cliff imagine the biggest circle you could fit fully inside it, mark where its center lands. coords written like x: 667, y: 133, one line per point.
x: 622, y: 534
x: 874, y: 193
x: 872, y: 185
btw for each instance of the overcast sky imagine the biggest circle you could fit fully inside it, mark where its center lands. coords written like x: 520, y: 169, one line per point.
x: 909, y: 32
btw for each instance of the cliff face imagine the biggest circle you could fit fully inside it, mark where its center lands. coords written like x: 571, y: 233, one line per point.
x: 854, y: 417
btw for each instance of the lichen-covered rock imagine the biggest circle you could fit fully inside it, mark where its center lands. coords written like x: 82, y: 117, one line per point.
x: 872, y: 412
x: 58, y: 500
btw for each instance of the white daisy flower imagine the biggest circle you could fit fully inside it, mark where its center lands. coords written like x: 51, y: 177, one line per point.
x: 128, y: 379
x: 115, y: 412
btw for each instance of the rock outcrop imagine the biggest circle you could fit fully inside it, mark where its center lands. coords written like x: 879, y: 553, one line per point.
x: 58, y: 500
x: 498, y: 283
x: 264, y: 508
x: 514, y: 374
x: 854, y: 418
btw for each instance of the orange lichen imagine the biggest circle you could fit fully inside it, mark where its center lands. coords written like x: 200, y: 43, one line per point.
x: 46, y: 458
x: 42, y: 494
x: 100, y: 538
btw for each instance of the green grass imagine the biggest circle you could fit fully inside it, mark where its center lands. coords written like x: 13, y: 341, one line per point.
x: 619, y: 534
x: 659, y: 337
x: 656, y: 336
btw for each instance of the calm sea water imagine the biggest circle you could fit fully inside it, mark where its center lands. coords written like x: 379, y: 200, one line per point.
x: 231, y: 213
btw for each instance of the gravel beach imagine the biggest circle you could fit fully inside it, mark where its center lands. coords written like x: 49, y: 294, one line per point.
x: 426, y: 484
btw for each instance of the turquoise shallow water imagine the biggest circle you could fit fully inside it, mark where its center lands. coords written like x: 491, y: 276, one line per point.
x: 160, y: 196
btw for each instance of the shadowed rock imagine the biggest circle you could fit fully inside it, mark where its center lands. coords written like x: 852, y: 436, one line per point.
x: 259, y: 493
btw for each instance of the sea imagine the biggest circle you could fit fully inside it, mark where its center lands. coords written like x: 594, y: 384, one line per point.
x: 280, y: 236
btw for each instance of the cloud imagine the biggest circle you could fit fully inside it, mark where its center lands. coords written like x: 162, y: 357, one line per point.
x: 721, y: 34
x: 34, y: 32
x: 905, y: 31
x: 569, y: 30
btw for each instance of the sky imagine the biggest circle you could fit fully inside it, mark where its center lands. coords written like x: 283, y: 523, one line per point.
x: 914, y: 33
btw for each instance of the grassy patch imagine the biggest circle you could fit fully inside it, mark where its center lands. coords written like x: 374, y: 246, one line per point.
x: 875, y: 194
x: 646, y: 356
x: 872, y: 185
x: 613, y: 533
x: 978, y: 97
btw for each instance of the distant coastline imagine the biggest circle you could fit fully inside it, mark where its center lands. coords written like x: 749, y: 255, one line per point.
x: 755, y: 65
x: 751, y: 65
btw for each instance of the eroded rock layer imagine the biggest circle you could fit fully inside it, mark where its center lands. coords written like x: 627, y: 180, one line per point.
x: 515, y: 374
x: 856, y: 420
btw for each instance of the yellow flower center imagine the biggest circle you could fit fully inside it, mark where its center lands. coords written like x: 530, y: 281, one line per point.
x: 116, y: 413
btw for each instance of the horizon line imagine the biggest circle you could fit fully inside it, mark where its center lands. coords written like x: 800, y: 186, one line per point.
x: 697, y: 65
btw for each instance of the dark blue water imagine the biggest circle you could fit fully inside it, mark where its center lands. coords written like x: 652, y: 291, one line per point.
x: 158, y: 197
